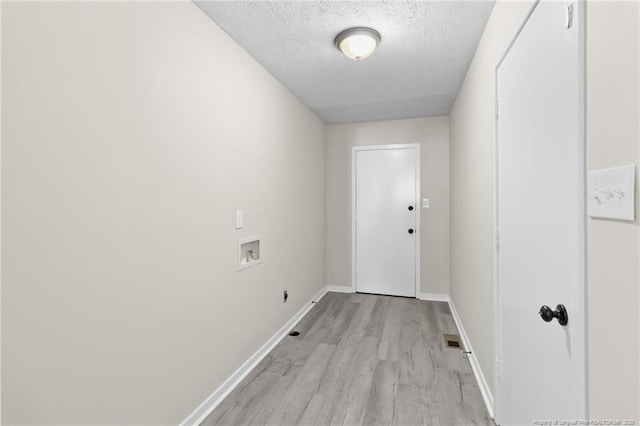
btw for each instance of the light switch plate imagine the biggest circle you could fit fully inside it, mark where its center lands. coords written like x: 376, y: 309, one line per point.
x: 611, y: 193
x: 238, y: 219
x: 425, y: 203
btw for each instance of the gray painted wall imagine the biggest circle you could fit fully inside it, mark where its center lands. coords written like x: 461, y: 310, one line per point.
x: 613, y: 138
x: 131, y: 133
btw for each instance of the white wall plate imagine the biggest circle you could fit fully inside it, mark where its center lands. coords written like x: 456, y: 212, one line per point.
x: 611, y: 193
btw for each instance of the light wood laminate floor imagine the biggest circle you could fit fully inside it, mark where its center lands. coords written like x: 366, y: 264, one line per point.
x: 361, y: 360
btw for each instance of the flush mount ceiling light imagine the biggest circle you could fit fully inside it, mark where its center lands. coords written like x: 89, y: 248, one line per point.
x: 357, y: 43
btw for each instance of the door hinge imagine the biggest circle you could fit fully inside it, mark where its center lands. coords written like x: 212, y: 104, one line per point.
x: 498, y: 240
x: 569, y: 16
x: 499, y: 368
x: 496, y: 111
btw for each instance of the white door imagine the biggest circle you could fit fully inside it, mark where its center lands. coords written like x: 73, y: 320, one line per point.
x: 386, y: 234
x: 540, y: 219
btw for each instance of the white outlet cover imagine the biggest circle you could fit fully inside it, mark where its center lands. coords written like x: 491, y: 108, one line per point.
x: 611, y: 193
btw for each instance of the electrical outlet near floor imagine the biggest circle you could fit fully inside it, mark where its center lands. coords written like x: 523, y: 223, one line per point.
x: 285, y: 296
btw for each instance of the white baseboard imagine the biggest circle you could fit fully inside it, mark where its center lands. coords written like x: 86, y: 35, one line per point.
x: 436, y: 297
x: 340, y: 288
x: 477, y: 371
x: 209, y: 404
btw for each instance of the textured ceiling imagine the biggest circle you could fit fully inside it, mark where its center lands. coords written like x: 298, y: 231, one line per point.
x: 416, y: 70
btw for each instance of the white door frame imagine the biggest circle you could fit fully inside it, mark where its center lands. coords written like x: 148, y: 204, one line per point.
x: 354, y: 151
x: 579, y: 15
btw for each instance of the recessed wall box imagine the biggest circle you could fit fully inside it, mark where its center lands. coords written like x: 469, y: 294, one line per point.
x: 249, y: 252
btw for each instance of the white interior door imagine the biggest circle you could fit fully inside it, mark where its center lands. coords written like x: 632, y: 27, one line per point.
x: 540, y: 219
x: 386, y: 221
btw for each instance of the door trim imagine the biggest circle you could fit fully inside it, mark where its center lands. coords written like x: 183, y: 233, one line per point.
x: 354, y: 151
x: 579, y: 14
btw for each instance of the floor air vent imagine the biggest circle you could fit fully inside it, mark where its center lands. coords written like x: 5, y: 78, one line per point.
x: 452, y: 341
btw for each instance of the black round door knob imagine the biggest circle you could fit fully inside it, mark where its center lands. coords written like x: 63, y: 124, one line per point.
x: 560, y: 313
x: 546, y: 313
x: 410, y: 208
x: 411, y: 230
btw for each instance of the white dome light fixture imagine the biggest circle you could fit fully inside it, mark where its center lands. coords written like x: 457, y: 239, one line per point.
x: 357, y: 43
